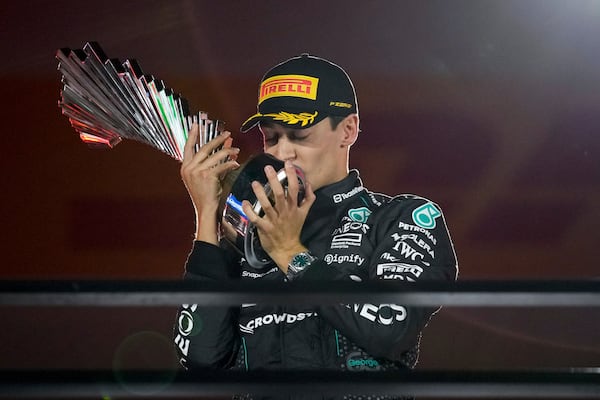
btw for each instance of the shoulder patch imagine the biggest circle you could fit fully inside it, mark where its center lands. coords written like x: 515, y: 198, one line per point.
x: 425, y: 215
x: 360, y: 214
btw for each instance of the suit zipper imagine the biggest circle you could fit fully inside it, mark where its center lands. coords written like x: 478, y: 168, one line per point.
x: 337, y: 342
x: 245, y: 353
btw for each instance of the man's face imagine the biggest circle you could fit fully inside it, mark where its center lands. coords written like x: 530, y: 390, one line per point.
x: 316, y: 150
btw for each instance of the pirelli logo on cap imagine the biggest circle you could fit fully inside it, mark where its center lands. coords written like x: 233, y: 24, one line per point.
x: 289, y: 85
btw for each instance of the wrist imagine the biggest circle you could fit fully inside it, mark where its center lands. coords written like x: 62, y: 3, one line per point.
x: 207, y: 226
x: 298, y: 264
x: 283, y: 257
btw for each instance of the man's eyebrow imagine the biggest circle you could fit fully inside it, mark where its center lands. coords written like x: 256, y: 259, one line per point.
x: 266, y: 124
x: 285, y: 130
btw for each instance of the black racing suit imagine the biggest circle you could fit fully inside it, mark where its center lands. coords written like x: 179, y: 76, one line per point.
x: 356, y: 235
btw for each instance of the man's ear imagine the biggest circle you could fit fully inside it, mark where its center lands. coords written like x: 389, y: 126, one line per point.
x: 349, y: 126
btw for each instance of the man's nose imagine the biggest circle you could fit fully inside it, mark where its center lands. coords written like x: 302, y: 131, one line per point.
x: 284, y: 150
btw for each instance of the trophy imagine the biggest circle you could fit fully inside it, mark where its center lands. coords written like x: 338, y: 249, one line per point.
x: 235, y: 225
x: 107, y: 100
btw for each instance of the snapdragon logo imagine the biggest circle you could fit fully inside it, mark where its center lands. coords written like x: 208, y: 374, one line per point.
x: 256, y: 275
x: 357, y: 361
x: 277, y: 319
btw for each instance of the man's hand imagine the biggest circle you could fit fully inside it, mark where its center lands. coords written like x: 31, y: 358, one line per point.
x: 280, y: 226
x: 202, y: 173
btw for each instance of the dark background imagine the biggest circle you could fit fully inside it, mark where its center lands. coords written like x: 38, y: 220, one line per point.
x: 490, y: 108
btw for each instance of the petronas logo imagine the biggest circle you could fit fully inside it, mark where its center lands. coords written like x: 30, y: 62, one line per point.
x: 425, y: 215
x: 359, y: 214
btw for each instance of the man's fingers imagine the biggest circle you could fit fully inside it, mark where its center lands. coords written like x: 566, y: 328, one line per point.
x: 221, y: 169
x: 292, y: 181
x: 220, y: 157
x: 281, y: 205
x: 205, y: 151
x: 215, y: 144
x: 188, y: 149
x: 249, y: 211
x: 309, y: 197
x: 276, y: 188
x: 264, y: 201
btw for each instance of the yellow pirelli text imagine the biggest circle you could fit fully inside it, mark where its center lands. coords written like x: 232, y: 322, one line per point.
x: 340, y: 104
x: 289, y: 85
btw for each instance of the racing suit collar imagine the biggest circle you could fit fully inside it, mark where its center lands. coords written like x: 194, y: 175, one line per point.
x: 325, y: 206
x: 338, y: 192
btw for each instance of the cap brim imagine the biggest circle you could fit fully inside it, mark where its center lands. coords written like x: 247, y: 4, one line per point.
x: 250, y: 123
x: 292, y: 120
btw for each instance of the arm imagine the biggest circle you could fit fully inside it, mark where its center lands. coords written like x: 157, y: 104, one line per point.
x: 207, y: 337
x: 202, y: 173
x: 402, y: 251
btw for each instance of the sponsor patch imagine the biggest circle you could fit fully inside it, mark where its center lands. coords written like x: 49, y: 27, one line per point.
x: 384, y: 314
x: 340, y: 104
x: 388, y: 257
x: 189, y: 324
x: 413, y: 228
x: 416, y: 240
x: 356, y: 361
x: 407, y: 251
x: 276, y: 319
x: 425, y: 216
x: 257, y: 275
x: 289, y: 85
x: 359, y: 214
x: 398, y: 271
x: 343, y: 258
x: 351, y: 226
x: 345, y: 240
x: 339, y: 197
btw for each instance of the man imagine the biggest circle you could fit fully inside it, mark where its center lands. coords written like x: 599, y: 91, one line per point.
x: 340, y: 231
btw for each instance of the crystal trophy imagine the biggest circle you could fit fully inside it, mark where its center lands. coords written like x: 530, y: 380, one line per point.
x: 107, y: 100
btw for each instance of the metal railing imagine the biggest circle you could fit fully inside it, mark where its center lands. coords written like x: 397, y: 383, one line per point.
x: 161, y: 293
x: 563, y: 383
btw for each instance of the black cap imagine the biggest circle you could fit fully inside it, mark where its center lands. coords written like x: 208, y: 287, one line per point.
x: 301, y: 92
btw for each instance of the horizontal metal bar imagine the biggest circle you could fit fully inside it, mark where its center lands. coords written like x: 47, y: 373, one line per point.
x: 163, y: 293
x: 443, y: 384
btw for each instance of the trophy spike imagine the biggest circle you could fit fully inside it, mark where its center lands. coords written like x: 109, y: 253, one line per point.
x: 107, y: 101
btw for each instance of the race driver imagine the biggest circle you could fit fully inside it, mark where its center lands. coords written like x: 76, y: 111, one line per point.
x: 308, y: 115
